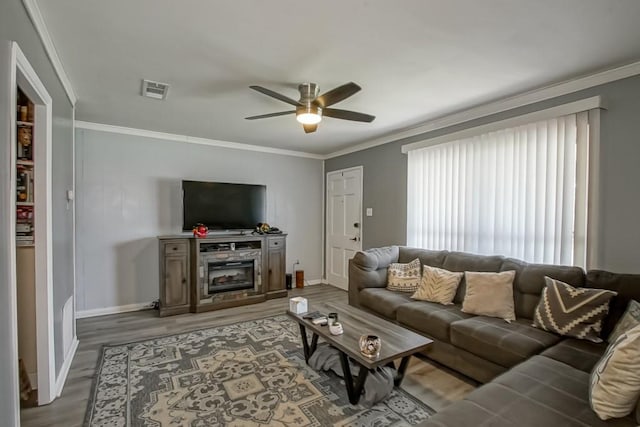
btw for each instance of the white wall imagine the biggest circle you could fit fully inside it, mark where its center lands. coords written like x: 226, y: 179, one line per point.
x: 128, y: 191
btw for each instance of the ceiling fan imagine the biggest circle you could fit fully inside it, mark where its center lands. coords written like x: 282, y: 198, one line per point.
x: 311, y: 108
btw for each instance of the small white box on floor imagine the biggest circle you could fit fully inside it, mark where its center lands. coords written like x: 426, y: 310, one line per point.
x: 298, y: 305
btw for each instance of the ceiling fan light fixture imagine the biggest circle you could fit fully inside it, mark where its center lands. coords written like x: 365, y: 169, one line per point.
x: 309, y: 114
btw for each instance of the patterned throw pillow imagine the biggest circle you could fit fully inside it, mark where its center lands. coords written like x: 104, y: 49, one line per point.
x: 629, y: 320
x: 490, y: 294
x: 404, y: 277
x: 615, y: 380
x: 437, y: 285
x: 572, y: 312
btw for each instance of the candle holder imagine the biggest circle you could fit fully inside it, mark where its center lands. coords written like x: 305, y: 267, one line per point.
x: 370, y: 345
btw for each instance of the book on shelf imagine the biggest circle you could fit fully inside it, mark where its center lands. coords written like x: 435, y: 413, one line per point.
x: 24, y: 184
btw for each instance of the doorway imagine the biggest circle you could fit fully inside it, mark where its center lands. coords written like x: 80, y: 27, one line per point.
x: 343, y: 223
x: 25, y: 84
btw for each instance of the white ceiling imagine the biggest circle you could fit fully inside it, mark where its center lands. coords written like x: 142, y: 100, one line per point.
x: 415, y: 59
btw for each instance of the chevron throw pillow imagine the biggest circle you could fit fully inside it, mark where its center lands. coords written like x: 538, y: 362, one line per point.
x: 437, y: 285
x: 572, y: 312
x: 404, y: 277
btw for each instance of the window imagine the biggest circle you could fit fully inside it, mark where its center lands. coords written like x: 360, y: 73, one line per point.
x: 518, y: 192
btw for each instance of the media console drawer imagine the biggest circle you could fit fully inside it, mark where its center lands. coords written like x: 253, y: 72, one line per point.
x: 175, y: 248
x: 275, y: 242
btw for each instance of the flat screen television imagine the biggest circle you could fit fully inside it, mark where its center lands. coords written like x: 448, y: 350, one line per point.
x: 222, y: 206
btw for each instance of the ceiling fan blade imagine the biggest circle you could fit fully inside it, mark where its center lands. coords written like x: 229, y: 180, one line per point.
x: 310, y: 128
x: 338, y: 94
x: 264, y: 116
x: 347, y: 115
x: 275, y: 95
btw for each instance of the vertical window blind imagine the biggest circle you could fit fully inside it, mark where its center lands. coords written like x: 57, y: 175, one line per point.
x: 510, y: 192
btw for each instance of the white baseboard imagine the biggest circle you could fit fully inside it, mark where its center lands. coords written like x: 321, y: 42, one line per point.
x: 314, y: 282
x: 64, y: 371
x: 113, y: 310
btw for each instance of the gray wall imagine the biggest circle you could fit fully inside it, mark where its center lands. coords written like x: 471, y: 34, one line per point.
x: 385, y: 175
x: 129, y: 192
x: 15, y: 25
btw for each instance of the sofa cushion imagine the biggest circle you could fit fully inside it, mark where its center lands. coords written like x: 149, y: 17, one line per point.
x: 579, y: 354
x: 383, y: 301
x: 626, y: 285
x: 437, y: 285
x: 430, y: 318
x: 615, y: 380
x: 461, y: 261
x: 426, y: 256
x: 629, y: 320
x: 506, y: 344
x: 490, y: 294
x: 530, y: 282
x: 538, y: 392
x: 572, y: 312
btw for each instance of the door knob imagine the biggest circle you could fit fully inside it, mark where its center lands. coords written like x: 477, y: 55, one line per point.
x: 355, y: 239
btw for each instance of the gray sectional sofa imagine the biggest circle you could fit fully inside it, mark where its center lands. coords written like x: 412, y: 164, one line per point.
x: 532, y: 377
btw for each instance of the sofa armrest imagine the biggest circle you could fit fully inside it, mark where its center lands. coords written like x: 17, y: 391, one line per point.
x: 368, y: 269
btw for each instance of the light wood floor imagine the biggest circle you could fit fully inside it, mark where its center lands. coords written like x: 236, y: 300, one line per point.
x: 432, y: 384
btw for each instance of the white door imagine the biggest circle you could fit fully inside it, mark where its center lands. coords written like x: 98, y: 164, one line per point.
x: 344, y: 223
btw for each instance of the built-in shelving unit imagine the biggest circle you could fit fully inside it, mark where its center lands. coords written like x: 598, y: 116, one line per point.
x: 25, y: 240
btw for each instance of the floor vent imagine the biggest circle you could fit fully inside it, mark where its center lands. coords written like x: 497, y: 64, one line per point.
x: 155, y: 90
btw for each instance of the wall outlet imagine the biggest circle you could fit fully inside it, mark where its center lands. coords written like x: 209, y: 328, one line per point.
x: 369, y: 211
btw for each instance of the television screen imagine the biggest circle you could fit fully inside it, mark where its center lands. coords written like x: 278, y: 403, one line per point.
x: 222, y: 206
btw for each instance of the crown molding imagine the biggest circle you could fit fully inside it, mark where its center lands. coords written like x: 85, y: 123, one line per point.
x: 41, y: 28
x: 504, y: 104
x: 193, y: 140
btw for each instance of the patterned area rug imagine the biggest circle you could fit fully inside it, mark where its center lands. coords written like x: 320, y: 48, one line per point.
x: 247, y: 374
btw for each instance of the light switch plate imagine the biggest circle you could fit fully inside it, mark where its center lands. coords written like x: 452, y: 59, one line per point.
x: 369, y: 211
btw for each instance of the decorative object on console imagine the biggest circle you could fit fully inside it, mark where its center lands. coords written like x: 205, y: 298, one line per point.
x: 200, y: 231
x: 615, y: 380
x: 572, y: 312
x: 437, y: 285
x: 404, y: 277
x: 629, y: 320
x: 370, y: 345
x: 490, y: 294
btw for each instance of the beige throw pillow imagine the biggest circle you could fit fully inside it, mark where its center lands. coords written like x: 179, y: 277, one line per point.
x: 404, y: 277
x: 490, y: 294
x: 572, y: 312
x: 629, y: 320
x: 437, y: 285
x: 615, y: 380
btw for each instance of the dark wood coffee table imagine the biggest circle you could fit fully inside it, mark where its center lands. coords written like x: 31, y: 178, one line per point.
x: 397, y: 342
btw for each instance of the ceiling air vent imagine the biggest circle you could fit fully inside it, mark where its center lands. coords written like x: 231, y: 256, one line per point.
x: 155, y: 90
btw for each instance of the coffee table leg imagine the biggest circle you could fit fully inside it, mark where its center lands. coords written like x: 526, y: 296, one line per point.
x: 401, y: 370
x: 308, y: 350
x: 353, y: 390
